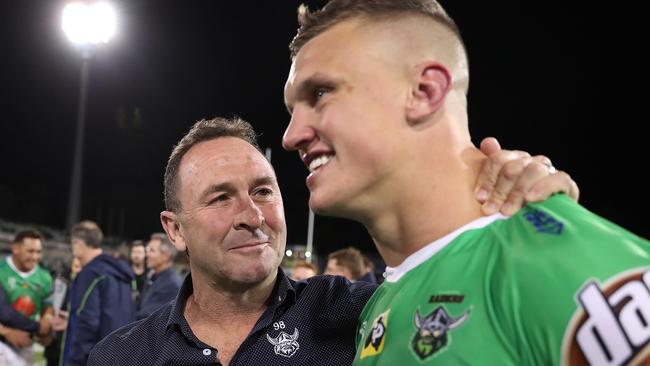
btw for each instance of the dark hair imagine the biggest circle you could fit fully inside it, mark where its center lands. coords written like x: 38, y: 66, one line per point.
x: 27, y: 234
x: 89, y: 232
x: 350, y: 258
x: 137, y: 243
x: 202, y: 130
x: 336, y: 11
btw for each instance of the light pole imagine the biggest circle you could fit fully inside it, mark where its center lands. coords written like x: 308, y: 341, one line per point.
x: 86, y: 25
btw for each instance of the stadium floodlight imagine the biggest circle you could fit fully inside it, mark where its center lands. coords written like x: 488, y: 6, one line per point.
x: 88, y: 23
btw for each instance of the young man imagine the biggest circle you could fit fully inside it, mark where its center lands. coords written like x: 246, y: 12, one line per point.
x: 237, y: 307
x: 100, y: 296
x: 377, y: 91
x: 26, y: 287
x: 164, y: 283
x: 137, y: 256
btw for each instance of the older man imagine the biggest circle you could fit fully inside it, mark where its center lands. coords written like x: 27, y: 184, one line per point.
x: 163, y: 283
x: 101, y: 296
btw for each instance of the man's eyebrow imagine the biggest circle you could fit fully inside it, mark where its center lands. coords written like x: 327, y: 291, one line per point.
x: 229, y: 187
x: 265, y: 180
x: 220, y: 187
x: 307, y: 85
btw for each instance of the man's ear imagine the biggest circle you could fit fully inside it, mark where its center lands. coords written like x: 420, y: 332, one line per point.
x: 170, y: 223
x: 432, y: 83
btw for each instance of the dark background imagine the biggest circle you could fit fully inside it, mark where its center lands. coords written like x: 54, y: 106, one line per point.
x: 547, y: 78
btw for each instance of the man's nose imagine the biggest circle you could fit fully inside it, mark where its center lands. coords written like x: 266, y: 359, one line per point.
x: 298, y: 132
x: 249, y: 217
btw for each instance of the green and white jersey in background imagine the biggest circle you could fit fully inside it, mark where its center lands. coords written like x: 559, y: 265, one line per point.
x: 554, y: 284
x: 27, y: 291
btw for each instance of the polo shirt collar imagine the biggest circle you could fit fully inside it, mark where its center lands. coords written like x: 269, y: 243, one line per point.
x: 284, y: 293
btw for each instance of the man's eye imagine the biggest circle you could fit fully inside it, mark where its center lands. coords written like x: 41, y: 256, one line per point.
x: 264, y: 192
x: 320, y: 92
x: 220, y: 198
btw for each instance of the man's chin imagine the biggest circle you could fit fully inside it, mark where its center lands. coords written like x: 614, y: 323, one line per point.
x: 331, y: 208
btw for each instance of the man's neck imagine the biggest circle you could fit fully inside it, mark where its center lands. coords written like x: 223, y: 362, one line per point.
x: 216, y: 300
x: 90, y: 254
x: 221, y: 316
x: 138, y: 268
x: 162, y: 267
x: 430, y: 209
x: 22, y: 271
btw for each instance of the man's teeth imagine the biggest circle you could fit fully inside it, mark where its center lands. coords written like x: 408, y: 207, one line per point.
x: 318, y: 162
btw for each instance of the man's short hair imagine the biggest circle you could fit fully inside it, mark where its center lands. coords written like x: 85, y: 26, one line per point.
x: 137, y: 243
x: 305, y: 264
x: 336, y: 11
x: 202, y: 130
x: 27, y: 234
x: 350, y: 258
x: 165, y: 244
x: 89, y: 232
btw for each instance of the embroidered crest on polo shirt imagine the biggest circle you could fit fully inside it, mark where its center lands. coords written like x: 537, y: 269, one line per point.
x: 285, y: 344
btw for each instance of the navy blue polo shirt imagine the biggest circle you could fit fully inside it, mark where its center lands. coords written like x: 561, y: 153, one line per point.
x: 311, y: 322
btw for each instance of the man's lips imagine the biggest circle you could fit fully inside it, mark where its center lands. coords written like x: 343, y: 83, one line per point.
x: 316, y: 159
x: 249, y: 245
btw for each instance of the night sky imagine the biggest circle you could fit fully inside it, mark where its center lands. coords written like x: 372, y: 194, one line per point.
x: 542, y: 81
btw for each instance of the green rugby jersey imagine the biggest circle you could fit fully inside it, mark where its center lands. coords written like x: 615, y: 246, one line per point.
x: 26, y: 291
x: 554, y: 284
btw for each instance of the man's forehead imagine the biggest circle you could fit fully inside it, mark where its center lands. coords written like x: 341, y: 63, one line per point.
x: 29, y: 242
x: 155, y: 242
x: 223, y: 159
x: 221, y: 151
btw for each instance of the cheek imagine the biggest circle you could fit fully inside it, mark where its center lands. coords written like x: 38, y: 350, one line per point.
x: 274, y: 217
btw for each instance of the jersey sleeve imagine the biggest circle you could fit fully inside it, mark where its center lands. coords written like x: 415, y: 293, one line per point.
x: 553, y: 252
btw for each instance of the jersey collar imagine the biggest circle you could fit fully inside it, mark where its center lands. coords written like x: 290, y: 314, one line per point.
x: 393, y: 274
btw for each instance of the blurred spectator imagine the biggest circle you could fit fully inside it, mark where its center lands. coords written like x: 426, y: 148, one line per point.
x: 347, y: 262
x: 27, y: 286
x: 137, y: 255
x: 164, y: 283
x: 369, y: 271
x: 53, y: 351
x: 100, y: 297
x: 303, y: 270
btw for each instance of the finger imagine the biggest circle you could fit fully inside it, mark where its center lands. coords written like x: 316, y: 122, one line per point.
x: 541, y: 159
x: 489, y: 174
x: 490, y: 145
x: 554, y: 183
x: 508, y: 175
x: 532, y: 173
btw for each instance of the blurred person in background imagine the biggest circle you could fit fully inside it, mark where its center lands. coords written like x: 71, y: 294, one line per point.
x: 53, y: 351
x: 101, y: 296
x: 137, y: 257
x: 303, y: 270
x: 164, y: 282
x: 369, y: 270
x: 347, y: 262
x: 27, y: 287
